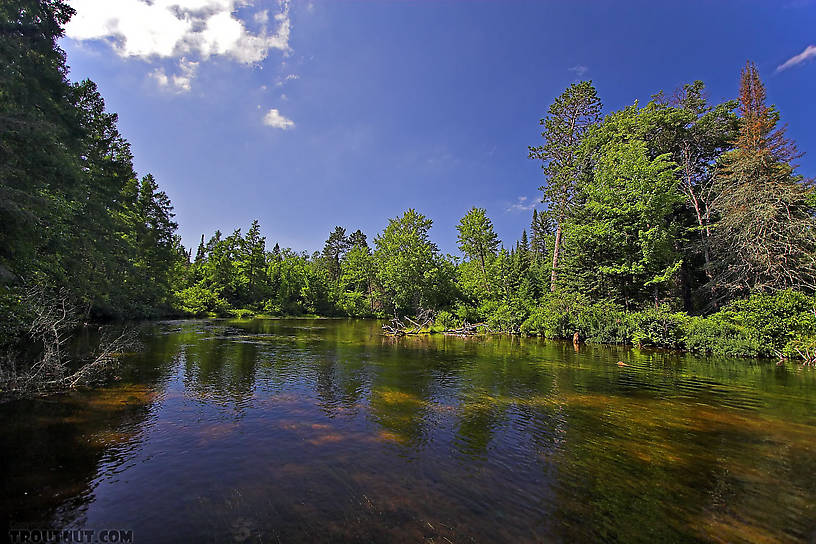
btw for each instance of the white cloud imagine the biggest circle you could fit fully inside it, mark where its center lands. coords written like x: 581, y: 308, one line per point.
x: 180, y: 82
x: 807, y: 54
x: 261, y: 17
x: 523, y: 204
x: 579, y: 70
x: 273, y: 118
x: 177, y: 29
x: 287, y: 78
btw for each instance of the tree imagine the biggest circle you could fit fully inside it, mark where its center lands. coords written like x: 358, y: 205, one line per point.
x: 541, y: 230
x: 569, y: 117
x: 252, y: 263
x: 336, y: 246
x: 623, y: 230
x: 357, y: 280
x: 765, y: 239
x: 37, y: 159
x: 477, y: 239
x: 696, y: 134
x: 358, y: 239
x: 408, y: 265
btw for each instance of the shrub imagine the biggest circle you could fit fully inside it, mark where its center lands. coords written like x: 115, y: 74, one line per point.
x: 604, y: 323
x: 555, y: 316
x: 354, y: 304
x: 658, y: 327
x: 507, y: 317
x: 773, y: 320
x: 446, y: 320
x: 719, y: 337
x: 467, y: 312
x: 199, y: 300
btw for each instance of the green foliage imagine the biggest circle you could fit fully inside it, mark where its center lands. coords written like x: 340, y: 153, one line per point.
x: 658, y: 327
x: 605, y: 322
x: 642, y: 211
x: 446, y: 320
x: 622, y: 241
x: 506, y: 316
x: 773, y: 320
x: 409, y: 267
x: 199, y: 300
x: 74, y: 216
x: 555, y: 316
x: 719, y: 337
x: 242, y: 313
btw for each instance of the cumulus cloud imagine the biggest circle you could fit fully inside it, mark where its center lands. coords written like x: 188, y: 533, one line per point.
x: 579, y: 70
x: 273, y: 118
x: 807, y: 54
x: 180, y: 82
x: 179, y: 28
x: 523, y: 204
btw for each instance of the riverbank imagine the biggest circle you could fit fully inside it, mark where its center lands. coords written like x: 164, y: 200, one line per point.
x: 780, y: 325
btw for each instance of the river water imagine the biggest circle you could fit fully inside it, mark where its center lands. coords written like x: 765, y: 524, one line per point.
x: 326, y: 431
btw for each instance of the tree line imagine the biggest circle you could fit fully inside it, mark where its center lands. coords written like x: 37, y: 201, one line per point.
x: 679, y: 222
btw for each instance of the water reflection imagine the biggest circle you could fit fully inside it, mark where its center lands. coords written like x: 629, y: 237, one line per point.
x: 323, y: 430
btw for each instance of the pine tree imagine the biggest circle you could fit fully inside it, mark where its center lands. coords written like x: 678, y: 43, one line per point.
x: 569, y: 118
x: 200, y: 252
x: 766, y: 237
x: 336, y: 246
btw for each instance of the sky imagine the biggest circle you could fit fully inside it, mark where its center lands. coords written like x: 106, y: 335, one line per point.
x: 307, y: 114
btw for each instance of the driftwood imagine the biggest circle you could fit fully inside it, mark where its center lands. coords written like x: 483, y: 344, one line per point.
x: 398, y: 327
x: 54, y: 321
x: 407, y: 326
x: 466, y: 329
x: 807, y: 353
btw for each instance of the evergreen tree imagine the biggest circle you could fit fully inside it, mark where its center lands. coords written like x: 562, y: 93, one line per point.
x: 336, y: 246
x: 569, y: 117
x: 358, y: 239
x: 765, y: 239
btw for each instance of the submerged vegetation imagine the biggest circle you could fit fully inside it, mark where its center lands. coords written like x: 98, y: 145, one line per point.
x: 679, y: 224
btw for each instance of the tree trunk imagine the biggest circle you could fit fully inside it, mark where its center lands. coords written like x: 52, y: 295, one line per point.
x: 556, y: 249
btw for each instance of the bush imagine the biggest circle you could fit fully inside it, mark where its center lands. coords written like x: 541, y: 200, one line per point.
x: 718, y: 337
x: 355, y: 304
x: 199, y: 300
x: 762, y: 325
x: 507, y: 317
x: 556, y: 316
x: 604, y: 323
x: 467, y: 312
x: 658, y: 327
x: 773, y: 320
x: 242, y: 313
x: 446, y: 320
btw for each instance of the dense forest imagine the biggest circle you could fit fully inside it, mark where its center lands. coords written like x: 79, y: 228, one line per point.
x: 678, y: 223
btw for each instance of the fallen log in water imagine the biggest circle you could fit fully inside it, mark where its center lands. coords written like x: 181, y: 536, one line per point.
x: 397, y: 326
x: 465, y: 330
x: 407, y: 326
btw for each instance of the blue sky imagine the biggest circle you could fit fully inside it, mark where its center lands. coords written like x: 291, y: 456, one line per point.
x: 311, y: 114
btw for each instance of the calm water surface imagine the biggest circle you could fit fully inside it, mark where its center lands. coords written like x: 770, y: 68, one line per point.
x: 325, y: 431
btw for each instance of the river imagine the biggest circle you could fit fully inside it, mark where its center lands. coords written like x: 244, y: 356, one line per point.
x: 326, y: 431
